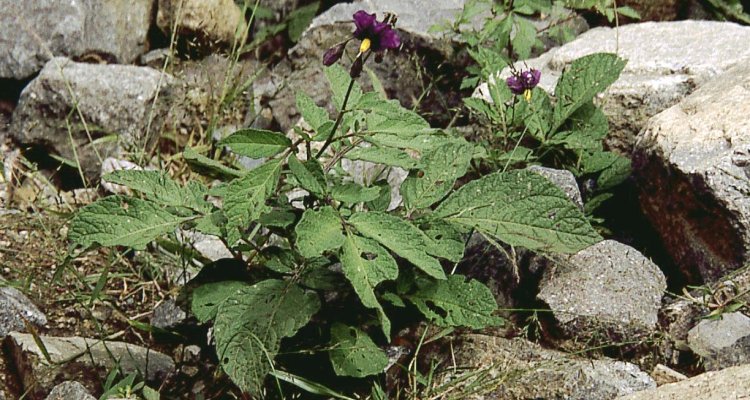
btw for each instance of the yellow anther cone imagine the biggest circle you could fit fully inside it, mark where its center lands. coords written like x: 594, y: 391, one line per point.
x: 365, y: 45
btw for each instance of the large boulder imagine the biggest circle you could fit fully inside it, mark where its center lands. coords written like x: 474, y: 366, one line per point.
x: 32, y: 32
x: 518, y: 369
x: 609, y: 287
x: 730, y: 383
x: 111, y: 99
x: 692, y: 164
x: 659, y: 72
x: 205, y: 20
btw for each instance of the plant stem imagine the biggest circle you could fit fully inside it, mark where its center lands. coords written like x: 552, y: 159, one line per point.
x: 338, y: 119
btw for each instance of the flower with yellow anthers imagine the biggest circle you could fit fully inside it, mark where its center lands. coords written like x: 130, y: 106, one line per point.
x: 374, y: 36
x: 521, y: 83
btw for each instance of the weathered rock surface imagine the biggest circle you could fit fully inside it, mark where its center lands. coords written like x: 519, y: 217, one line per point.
x: 692, y: 164
x: 70, y: 390
x: 112, y: 99
x: 32, y: 32
x: 722, y: 342
x: 168, y: 315
x: 659, y: 73
x: 14, y: 308
x: 206, y: 20
x: 72, y: 361
x: 518, y: 369
x: 608, y: 287
x: 730, y: 383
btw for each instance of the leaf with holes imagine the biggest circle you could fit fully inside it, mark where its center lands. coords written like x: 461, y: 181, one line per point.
x: 401, y: 237
x: 122, y: 221
x: 456, y: 302
x: 250, y: 324
x: 439, y: 171
x: 366, y: 264
x: 354, y: 353
x: 520, y: 208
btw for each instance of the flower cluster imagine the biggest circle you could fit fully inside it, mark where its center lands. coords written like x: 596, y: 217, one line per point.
x: 521, y: 83
x: 374, y: 35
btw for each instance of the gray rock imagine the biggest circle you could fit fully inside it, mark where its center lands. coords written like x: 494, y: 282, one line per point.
x: 659, y: 73
x: 730, y: 383
x: 70, y: 390
x: 563, y: 179
x: 518, y: 369
x: 208, y: 246
x: 32, y: 32
x: 14, y: 308
x: 608, y: 287
x: 168, y: 315
x: 71, y: 360
x: 205, y: 20
x: 113, y: 99
x: 691, y: 164
x: 723, y: 342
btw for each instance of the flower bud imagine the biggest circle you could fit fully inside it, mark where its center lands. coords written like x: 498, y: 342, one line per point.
x: 356, y: 70
x: 333, y: 54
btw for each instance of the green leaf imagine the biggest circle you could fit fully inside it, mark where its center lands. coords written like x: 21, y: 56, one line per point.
x: 525, y: 38
x: 245, y: 198
x: 256, y: 143
x: 339, y: 80
x: 207, y: 298
x: 384, y: 197
x: 318, y: 231
x: 383, y: 155
x: 628, y: 12
x: 159, y: 187
x: 354, y: 353
x: 309, y: 175
x: 308, y: 385
x: 366, y: 264
x: 584, y: 130
x: 300, y: 19
x: 250, y: 324
x: 401, y: 237
x: 353, y: 193
x: 520, y: 208
x: 121, y: 221
x: 456, y: 302
x: 441, y: 168
x: 581, y: 81
x: 387, y: 116
x: 313, y: 114
x: 208, y: 166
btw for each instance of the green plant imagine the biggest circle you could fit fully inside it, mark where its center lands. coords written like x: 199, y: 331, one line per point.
x: 343, y: 264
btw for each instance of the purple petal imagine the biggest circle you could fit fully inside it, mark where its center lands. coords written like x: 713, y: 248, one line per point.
x: 364, y: 22
x: 537, y: 75
x: 389, y: 39
x: 514, y: 84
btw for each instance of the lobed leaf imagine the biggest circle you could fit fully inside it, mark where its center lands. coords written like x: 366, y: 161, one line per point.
x: 160, y: 188
x: 440, y: 168
x: 207, y: 299
x: 245, y: 197
x: 318, y: 231
x: 256, y: 143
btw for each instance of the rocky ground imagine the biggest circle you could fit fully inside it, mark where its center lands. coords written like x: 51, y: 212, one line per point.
x: 656, y: 311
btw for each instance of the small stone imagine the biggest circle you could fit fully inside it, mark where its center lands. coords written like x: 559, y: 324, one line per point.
x: 14, y: 308
x: 167, y: 315
x: 663, y: 375
x: 563, y: 179
x: 70, y: 390
x: 730, y: 383
x: 209, y: 20
x: 722, y: 342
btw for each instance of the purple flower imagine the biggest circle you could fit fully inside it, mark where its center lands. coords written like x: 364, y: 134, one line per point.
x: 377, y: 36
x: 521, y: 83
